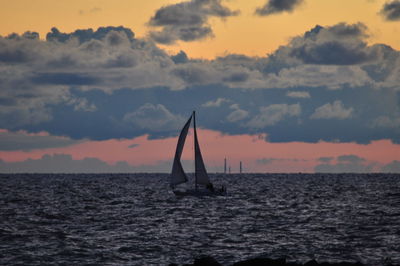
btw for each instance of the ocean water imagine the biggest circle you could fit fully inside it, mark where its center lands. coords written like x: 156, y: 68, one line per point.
x: 134, y: 219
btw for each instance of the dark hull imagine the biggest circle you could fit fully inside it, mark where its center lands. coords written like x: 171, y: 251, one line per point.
x: 199, y: 193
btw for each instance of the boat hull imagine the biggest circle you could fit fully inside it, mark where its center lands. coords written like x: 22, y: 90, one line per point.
x: 199, y: 193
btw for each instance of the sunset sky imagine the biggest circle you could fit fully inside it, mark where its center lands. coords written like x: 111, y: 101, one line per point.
x: 282, y: 85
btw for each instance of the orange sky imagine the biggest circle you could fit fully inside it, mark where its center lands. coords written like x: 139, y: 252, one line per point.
x: 243, y: 34
x: 246, y: 33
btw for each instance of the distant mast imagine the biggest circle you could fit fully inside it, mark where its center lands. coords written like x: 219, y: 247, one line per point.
x: 240, y: 167
x: 225, y: 165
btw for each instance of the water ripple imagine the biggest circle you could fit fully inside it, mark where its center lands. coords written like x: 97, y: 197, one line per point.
x: 135, y: 220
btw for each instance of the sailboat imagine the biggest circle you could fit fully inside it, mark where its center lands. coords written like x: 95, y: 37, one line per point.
x: 203, y: 185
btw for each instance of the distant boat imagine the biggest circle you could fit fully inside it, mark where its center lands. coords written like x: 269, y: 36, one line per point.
x: 203, y: 185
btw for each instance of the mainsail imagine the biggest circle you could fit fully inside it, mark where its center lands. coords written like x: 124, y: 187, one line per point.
x: 178, y: 175
x: 200, y: 169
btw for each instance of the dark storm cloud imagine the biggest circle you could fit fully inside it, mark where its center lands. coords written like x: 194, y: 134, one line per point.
x: 102, y: 84
x: 391, y: 10
x: 187, y: 21
x: 277, y: 6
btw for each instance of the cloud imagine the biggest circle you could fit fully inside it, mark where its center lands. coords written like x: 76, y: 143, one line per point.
x: 84, y: 35
x: 392, y: 167
x: 90, y: 11
x: 325, y: 159
x: 187, y: 21
x: 64, y: 163
x: 63, y: 79
x: 340, y: 44
x: 336, y: 110
x: 298, y: 94
x: 345, y: 164
x: 93, y: 84
x: 134, y: 145
x: 216, y: 103
x: 154, y: 118
x: 266, y: 160
x: 277, y: 6
x: 386, y: 122
x: 272, y: 114
x: 180, y: 58
x: 238, y: 114
x: 22, y: 141
x: 391, y: 10
x: 350, y: 159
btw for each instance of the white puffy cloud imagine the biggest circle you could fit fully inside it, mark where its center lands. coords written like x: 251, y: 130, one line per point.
x: 154, y: 118
x: 386, y: 122
x: 217, y: 103
x: 237, y: 114
x: 272, y: 114
x: 298, y: 94
x: 336, y: 110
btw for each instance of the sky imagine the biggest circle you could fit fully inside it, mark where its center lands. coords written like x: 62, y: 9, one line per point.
x: 281, y: 85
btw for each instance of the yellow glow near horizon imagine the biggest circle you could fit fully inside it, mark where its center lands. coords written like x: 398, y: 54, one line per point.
x: 244, y: 34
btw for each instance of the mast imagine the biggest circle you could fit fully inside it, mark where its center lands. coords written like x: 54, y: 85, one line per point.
x: 194, y: 142
x: 240, y: 167
x: 225, y: 165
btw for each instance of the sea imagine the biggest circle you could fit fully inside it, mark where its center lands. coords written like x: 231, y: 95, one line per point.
x: 135, y: 219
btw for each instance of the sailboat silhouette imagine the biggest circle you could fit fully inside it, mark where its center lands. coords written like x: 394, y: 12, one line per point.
x: 203, y: 185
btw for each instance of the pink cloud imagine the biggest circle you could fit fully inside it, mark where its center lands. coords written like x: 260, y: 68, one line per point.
x: 289, y: 157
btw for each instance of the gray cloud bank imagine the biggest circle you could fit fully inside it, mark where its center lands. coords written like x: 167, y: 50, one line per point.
x: 354, y: 164
x: 64, y: 163
x: 20, y: 141
x: 327, y: 84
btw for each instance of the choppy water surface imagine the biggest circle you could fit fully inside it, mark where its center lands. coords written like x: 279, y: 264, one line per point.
x: 135, y: 219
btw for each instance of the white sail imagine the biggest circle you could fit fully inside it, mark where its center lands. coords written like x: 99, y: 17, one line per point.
x: 200, y: 171
x: 178, y: 175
